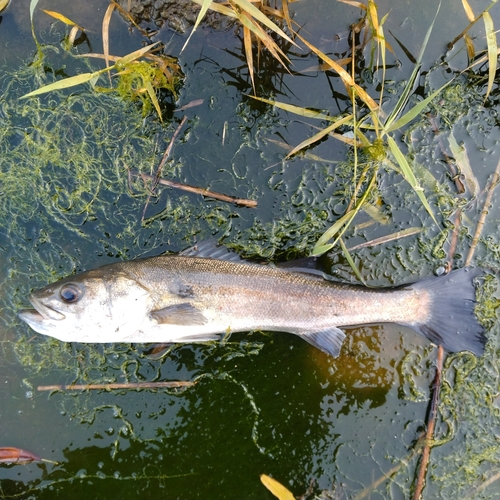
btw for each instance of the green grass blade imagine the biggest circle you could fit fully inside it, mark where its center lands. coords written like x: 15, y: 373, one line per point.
x: 349, y: 259
x: 403, y: 100
x: 409, y: 176
x: 416, y: 110
x: 33, y: 5
x: 341, y: 225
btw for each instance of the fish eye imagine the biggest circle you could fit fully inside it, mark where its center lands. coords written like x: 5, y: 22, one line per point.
x: 70, y: 293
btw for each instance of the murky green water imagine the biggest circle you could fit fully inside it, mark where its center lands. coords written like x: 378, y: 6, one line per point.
x: 262, y: 402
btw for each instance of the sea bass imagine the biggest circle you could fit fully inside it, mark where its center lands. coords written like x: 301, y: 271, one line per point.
x: 208, y: 291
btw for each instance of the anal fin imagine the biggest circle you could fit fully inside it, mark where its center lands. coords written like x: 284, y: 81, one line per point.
x: 328, y: 340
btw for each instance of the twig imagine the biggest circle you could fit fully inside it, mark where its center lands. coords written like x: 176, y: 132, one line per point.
x: 202, y: 191
x: 473, y: 494
x: 107, y: 387
x: 436, y: 386
x: 157, y: 175
x: 385, y: 239
x: 484, y: 213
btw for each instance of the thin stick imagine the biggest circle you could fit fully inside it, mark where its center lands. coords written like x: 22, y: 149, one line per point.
x: 436, y: 386
x: 484, y: 213
x: 107, y: 387
x: 158, y: 172
x: 202, y: 191
x: 483, y: 486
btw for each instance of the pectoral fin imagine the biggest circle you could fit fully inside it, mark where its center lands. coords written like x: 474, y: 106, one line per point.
x: 179, y: 314
x: 328, y: 340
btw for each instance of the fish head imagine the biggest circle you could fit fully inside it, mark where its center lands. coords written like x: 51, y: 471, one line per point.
x: 103, y: 305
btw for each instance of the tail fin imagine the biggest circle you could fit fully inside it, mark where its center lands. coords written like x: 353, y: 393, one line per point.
x: 452, y: 322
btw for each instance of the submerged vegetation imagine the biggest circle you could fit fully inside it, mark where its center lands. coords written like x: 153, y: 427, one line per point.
x: 68, y: 195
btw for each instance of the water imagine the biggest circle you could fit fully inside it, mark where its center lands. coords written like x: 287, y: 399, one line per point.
x: 263, y: 402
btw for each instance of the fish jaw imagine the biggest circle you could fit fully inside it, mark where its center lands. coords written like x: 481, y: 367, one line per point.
x: 42, y: 319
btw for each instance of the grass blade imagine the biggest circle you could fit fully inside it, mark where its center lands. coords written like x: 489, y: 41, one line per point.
x: 62, y: 18
x: 319, y: 135
x: 247, y: 42
x: 468, y: 11
x: 154, y: 99
x: 416, y: 110
x: 105, y: 36
x: 253, y: 11
x: 403, y: 100
x: 305, y: 112
x: 204, y: 7
x: 409, y: 176
x: 276, y: 488
x: 340, y: 225
x: 136, y: 54
x: 491, y: 40
x: 66, y: 83
x: 386, y: 239
x: 349, y: 259
x: 344, y: 75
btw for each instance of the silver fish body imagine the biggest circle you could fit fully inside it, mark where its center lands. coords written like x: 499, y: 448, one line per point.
x: 194, y: 297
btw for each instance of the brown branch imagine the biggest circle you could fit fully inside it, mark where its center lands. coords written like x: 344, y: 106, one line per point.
x: 202, y: 191
x: 484, y: 213
x: 436, y: 386
x: 107, y: 387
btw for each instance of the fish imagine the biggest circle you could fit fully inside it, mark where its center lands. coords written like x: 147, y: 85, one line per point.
x: 207, y: 291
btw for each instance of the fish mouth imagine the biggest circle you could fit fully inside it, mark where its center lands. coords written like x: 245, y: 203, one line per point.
x: 41, y: 315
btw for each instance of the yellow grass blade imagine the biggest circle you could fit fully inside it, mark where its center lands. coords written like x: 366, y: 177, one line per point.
x: 316, y: 137
x: 386, y: 239
x: 3, y: 4
x: 359, y: 5
x: 72, y: 34
x: 261, y: 35
x: 468, y: 11
x: 136, y: 54
x: 105, y: 35
x: 276, y: 488
x: 471, y: 51
x: 344, y: 75
x: 257, y: 14
x: 286, y: 14
x: 491, y: 40
x: 247, y: 42
x: 409, y: 176
x: 205, y: 4
x: 154, y: 99
x: 307, y: 113
x: 62, y: 18
x: 66, y: 83
x: 217, y: 7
